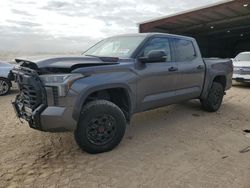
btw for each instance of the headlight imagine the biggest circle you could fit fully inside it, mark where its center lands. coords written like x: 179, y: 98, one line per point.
x: 62, y: 81
x: 57, y: 78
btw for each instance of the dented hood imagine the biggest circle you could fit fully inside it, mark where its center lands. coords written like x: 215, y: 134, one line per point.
x: 65, y: 62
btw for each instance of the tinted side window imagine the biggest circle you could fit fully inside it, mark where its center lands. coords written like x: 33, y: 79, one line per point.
x: 184, y: 50
x: 159, y: 43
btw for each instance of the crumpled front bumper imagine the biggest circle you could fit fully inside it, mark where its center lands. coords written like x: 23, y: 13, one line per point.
x: 57, y: 119
x: 49, y: 118
x: 33, y: 119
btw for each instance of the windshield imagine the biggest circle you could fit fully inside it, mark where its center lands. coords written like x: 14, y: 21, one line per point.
x: 120, y: 46
x: 243, y: 57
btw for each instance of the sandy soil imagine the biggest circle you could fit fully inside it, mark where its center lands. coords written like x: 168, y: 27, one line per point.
x: 175, y: 146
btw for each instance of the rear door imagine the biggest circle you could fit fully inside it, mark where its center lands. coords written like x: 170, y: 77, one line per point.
x: 191, y: 69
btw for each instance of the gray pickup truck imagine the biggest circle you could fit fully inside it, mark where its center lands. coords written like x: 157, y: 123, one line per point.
x: 96, y: 94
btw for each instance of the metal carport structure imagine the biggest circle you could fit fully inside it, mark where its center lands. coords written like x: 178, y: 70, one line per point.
x: 221, y: 29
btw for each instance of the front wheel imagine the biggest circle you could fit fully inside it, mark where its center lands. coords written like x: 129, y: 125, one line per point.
x: 4, y: 86
x: 101, y: 127
x: 214, y: 99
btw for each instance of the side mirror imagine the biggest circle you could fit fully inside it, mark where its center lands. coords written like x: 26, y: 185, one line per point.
x: 154, y: 56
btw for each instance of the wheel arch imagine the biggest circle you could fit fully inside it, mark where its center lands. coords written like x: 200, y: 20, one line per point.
x: 83, y: 96
x: 220, y: 79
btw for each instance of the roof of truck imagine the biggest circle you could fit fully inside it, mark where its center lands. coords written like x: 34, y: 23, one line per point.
x: 155, y: 34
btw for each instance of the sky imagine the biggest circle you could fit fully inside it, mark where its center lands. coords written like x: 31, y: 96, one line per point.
x: 74, y: 25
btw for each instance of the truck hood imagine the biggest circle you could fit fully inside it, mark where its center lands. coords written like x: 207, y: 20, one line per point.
x: 67, y: 63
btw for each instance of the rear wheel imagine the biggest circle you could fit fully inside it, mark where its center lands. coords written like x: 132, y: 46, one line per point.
x: 101, y: 127
x: 4, y: 86
x: 214, y: 99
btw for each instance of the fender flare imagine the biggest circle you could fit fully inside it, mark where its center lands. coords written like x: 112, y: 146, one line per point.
x: 87, y: 91
x: 209, y: 85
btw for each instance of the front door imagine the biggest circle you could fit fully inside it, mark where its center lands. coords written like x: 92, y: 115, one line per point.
x: 156, y: 83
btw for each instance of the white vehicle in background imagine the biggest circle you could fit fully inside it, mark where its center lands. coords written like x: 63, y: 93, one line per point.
x: 241, y: 65
x: 5, y: 77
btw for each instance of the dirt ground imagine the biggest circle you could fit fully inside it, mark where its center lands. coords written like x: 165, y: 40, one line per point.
x: 175, y: 146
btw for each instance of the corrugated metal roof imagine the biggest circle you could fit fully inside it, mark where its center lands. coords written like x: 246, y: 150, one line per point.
x: 223, y: 19
x: 186, y: 11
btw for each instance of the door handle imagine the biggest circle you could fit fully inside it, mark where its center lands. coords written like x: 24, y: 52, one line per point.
x: 173, y: 69
x: 200, y: 67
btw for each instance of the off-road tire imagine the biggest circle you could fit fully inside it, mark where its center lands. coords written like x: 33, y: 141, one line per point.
x: 214, y: 99
x: 91, y: 115
x: 7, y: 85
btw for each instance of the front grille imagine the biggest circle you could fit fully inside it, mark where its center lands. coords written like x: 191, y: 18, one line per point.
x: 30, y: 96
x: 32, y: 99
x: 29, y: 99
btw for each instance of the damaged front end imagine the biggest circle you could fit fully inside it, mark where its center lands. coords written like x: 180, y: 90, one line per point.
x: 31, y: 100
x: 46, y: 99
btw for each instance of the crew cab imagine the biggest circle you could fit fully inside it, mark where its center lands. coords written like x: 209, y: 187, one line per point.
x: 96, y: 94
